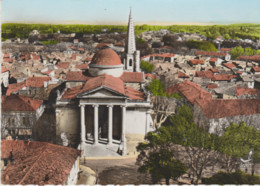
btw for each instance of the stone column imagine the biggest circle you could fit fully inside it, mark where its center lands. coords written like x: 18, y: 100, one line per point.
x: 95, y: 124
x: 82, y: 121
x: 123, y: 129
x: 110, y: 125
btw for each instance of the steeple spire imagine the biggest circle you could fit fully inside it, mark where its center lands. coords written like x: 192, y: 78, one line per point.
x: 130, y: 43
x: 132, y: 60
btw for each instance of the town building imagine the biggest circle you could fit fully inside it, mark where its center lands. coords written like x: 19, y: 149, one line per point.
x: 19, y: 114
x: 217, y: 114
x: 104, y: 107
x: 38, y: 163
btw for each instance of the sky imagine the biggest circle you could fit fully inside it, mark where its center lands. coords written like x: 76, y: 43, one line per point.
x: 143, y: 11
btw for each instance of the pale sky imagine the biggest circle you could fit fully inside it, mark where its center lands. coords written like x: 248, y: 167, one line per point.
x: 144, y: 11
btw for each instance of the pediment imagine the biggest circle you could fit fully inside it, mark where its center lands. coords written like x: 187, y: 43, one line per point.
x: 102, y: 92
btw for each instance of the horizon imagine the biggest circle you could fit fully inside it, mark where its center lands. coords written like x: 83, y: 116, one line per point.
x: 151, y: 12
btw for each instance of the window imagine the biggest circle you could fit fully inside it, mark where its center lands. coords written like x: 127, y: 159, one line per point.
x: 10, y: 122
x: 130, y: 62
x: 25, y: 121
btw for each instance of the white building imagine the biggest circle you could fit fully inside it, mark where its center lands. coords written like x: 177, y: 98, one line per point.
x: 106, y: 108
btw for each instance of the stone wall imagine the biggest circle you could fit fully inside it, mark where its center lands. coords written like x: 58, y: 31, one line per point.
x: 14, y: 121
x: 216, y: 125
x: 132, y: 141
x: 135, y: 86
x: 68, y: 122
x: 45, y: 127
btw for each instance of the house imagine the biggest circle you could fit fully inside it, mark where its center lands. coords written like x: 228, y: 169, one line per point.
x: 4, y: 76
x: 19, y: 114
x: 256, y: 70
x: 38, y: 163
x: 216, y: 114
x: 221, y: 55
x: 30, y: 86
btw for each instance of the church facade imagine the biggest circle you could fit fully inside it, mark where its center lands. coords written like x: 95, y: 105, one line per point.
x: 106, y: 107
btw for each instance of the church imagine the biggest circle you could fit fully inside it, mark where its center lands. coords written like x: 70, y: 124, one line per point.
x: 105, y: 108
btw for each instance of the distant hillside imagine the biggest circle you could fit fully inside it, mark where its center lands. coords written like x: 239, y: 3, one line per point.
x: 234, y: 31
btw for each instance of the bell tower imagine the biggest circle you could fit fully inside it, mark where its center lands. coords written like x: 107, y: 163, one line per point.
x: 132, y: 56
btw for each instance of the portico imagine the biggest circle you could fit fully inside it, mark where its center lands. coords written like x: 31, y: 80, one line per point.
x: 100, y: 129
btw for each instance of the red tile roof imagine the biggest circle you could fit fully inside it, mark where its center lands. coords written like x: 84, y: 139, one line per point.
x: 3, y: 69
x: 228, y: 108
x: 250, y: 58
x: 72, y: 92
x: 134, y: 94
x: 7, y: 55
x: 101, y: 45
x: 163, y: 55
x: 204, y: 74
x: 152, y: 76
x: 36, y: 57
x: 256, y: 69
x: 48, y: 72
x: 19, y: 103
x: 245, y: 90
x: 196, y: 61
x: 36, y: 81
x: 83, y: 66
x: 37, y: 163
x: 9, y: 60
x: 119, y: 44
x: 214, y: 70
x: 108, y: 81
x: 212, y: 86
x: 182, y: 75
x: 73, y: 48
x: 76, y: 76
x: 215, y: 108
x: 87, y: 59
x: 26, y: 56
x: 225, y: 49
x: 63, y: 65
x: 73, y: 56
x: 15, y: 87
x: 213, y: 59
x: 229, y: 65
x: 106, y: 57
x: 132, y: 77
x: 215, y: 54
x: 81, y: 49
x: 191, y: 91
x: 223, y: 77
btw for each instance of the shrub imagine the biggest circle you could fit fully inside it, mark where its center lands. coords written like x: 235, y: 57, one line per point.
x: 237, y: 177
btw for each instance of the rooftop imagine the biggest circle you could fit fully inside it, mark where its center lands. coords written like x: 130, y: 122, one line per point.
x: 37, y: 163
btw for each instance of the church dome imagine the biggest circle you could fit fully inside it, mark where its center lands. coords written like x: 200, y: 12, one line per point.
x: 106, y: 61
x: 106, y: 57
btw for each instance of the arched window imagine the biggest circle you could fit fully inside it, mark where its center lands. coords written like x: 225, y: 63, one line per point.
x: 130, y: 62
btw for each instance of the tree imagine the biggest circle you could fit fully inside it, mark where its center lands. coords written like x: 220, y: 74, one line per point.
x: 161, y: 164
x: 198, y: 146
x: 237, y: 177
x: 191, y: 145
x: 147, y: 67
x: 163, y: 106
x: 236, y: 142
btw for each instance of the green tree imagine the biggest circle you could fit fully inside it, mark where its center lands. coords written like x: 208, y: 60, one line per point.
x: 157, y: 88
x: 236, y: 142
x: 161, y: 164
x: 147, y: 67
x: 237, y: 177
